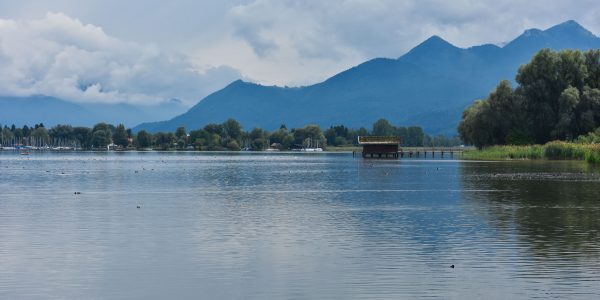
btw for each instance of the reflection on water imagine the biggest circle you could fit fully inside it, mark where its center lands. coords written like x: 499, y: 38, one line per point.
x: 552, y: 210
x: 293, y: 226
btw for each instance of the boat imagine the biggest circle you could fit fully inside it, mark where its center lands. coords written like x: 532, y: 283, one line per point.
x: 309, y: 148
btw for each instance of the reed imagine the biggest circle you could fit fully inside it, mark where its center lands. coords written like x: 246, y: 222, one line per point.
x: 555, y: 150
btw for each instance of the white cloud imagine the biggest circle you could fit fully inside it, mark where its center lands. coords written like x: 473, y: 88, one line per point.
x: 320, y: 38
x: 390, y: 27
x: 283, y: 42
x: 62, y: 57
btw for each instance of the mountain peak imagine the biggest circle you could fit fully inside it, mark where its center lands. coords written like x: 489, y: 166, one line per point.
x: 435, y: 41
x: 569, y: 24
x: 532, y: 32
x: 569, y: 27
x: 430, y: 46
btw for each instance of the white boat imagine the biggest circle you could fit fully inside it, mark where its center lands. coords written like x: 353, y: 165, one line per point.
x: 310, y: 148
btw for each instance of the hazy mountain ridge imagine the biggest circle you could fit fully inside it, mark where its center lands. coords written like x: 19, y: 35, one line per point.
x: 51, y: 111
x: 428, y: 86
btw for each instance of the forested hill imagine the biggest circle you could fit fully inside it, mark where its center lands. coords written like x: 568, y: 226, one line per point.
x: 429, y: 86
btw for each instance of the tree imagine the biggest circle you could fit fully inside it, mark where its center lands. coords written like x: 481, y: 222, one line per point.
x: 25, y: 130
x: 100, y: 138
x: 40, y: 134
x: 283, y: 137
x: 309, y: 133
x: 382, y: 127
x: 182, y: 139
x: 144, y: 139
x: 337, y: 135
x: 61, y: 132
x: 198, y: 138
x: 83, y: 136
x: 233, y: 146
x: 557, y: 98
x: 7, y: 137
x: 258, y: 140
x: 589, y: 109
x: 473, y: 128
x: 180, y: 132
x: 214, y: 128
x: 120, y: 136
x: 415, y: 136
x: 232, y: 129
x: 566, y: 125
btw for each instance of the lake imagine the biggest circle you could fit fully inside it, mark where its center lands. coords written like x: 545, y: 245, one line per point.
x: 295, y: 226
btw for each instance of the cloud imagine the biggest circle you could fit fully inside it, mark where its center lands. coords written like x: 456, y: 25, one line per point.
x: 283, y: 42
x: 345, y: 29
x: 62, y: 57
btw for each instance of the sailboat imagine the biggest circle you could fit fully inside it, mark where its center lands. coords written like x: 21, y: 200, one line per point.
x: 309, y: 148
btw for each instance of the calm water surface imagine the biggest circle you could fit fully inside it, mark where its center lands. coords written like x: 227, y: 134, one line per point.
x: 291, y: 226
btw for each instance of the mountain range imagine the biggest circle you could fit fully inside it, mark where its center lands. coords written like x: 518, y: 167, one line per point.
x: 429, y: 86
x: 51, y: 111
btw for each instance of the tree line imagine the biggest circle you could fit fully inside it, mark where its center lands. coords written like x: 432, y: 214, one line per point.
x: 557, y: 98
x: 228, y: 135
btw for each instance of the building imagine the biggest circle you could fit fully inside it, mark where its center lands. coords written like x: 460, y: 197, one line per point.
x: 379, y: 146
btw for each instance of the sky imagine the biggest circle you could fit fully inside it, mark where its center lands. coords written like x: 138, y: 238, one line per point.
x: 148, y: 51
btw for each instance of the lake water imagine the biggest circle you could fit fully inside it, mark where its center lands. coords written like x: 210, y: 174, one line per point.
x: 294, y: 226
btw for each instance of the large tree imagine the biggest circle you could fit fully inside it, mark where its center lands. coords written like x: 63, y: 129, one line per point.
x: 557, y: 98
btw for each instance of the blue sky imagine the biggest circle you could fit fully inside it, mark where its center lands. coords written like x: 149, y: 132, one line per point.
x: 147, y: 51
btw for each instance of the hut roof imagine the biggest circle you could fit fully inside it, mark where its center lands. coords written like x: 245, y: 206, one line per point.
x: 378, y: 140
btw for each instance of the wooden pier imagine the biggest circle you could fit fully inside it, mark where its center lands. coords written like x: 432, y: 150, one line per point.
x: 389, y: 147
x: 418, y: 152
x: 379, y: 146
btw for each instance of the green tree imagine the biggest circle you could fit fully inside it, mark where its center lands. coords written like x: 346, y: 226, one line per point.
x: 120, y: 136
x: 283, y: 137
x: 588, y: 110
x: 474, y: 128
x: 566, y: 125
x: 144, y: 139
x: 214, y: 128
x: 165, y: 140
x: 557, y: 98
x: 309, y: 133
x: 100, y: 138
x: 232, y: 129
x: 258, y: 140
x: 180, y: 132
x: 233, y: 146
x: 198, y: 138
x: 25, y: 131
x: 41, y: 135
x: 83, y: 136
x: 6, y: 137
x: 415, y: 136
x: 382, y: 127
x: 182, y: 138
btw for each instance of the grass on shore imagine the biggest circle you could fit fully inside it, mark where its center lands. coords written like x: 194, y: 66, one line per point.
x: 349, y: 148
x: 556, y: 150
